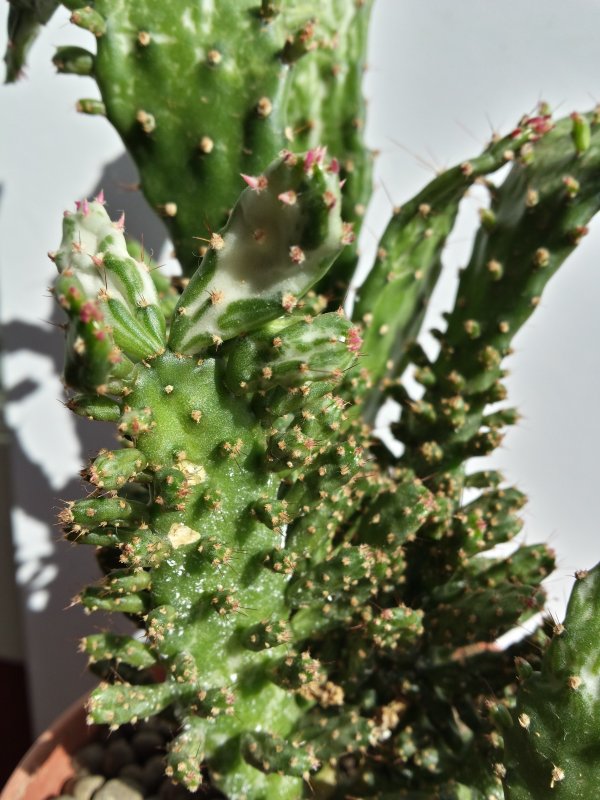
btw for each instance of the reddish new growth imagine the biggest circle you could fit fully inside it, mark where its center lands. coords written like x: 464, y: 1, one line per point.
x: 539, y: 125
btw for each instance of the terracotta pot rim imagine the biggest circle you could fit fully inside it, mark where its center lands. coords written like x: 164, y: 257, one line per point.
x: 45, y: 767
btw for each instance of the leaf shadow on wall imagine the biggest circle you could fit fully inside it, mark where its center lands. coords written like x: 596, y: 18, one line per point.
x: 57, y: 674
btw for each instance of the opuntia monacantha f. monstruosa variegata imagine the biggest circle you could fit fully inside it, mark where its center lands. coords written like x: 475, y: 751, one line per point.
x: 320, y: 616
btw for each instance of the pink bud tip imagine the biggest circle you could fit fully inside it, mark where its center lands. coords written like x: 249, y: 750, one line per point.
x: 334, y: 166
x: 343, y: 183
x: 120, y: 223
x: 309, y: 160
x: 83, y: 206
x: 314, y: 157
x: 516, y: 133
x: 100, y: 197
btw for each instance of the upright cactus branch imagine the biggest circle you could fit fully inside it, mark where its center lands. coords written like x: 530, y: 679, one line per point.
x: 202, y: 93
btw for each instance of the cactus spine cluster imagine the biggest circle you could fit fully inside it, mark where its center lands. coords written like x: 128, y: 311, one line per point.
x: 318, y: 615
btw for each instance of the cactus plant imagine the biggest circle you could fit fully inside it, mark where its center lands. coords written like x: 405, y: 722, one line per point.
x: 319, y: 616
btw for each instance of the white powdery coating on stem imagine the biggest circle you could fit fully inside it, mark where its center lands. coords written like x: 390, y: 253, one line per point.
x: 260, y: 267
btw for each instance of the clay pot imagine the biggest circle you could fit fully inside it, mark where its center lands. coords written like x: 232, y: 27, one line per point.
x: 47, y: 764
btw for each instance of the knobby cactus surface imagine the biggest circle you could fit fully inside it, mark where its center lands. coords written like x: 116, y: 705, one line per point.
x: 319, y: 616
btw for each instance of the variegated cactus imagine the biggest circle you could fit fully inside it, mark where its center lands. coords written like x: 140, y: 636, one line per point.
x: 320, y: 616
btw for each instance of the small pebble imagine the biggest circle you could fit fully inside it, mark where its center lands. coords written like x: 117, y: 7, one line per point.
x: 84, y: 787
x: 118, y: 753
x: 118, y: 789
x: 154, y: 772
x: 91, y: 757
x: 147, y: 743
x: 162, y: 726
x: 132, y: 772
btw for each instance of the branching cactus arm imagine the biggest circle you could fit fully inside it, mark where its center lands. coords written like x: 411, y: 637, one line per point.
x: 551, y: 738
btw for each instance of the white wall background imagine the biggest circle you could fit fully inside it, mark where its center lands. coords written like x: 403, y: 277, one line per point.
x: 442, y: 75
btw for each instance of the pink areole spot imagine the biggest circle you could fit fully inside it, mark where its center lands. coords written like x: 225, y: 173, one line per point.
x: 354, y: 340
x: 297, y: 254
x: 329, y: 199
x: 120, y: 223
x: 288, y: 198
x: 289, y: 159
x: 334, y: 166
x: 100, y: 335
x: 89, y: 311
x: 100, y: 197
x: 348, y: 235
x: 258, y: 183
